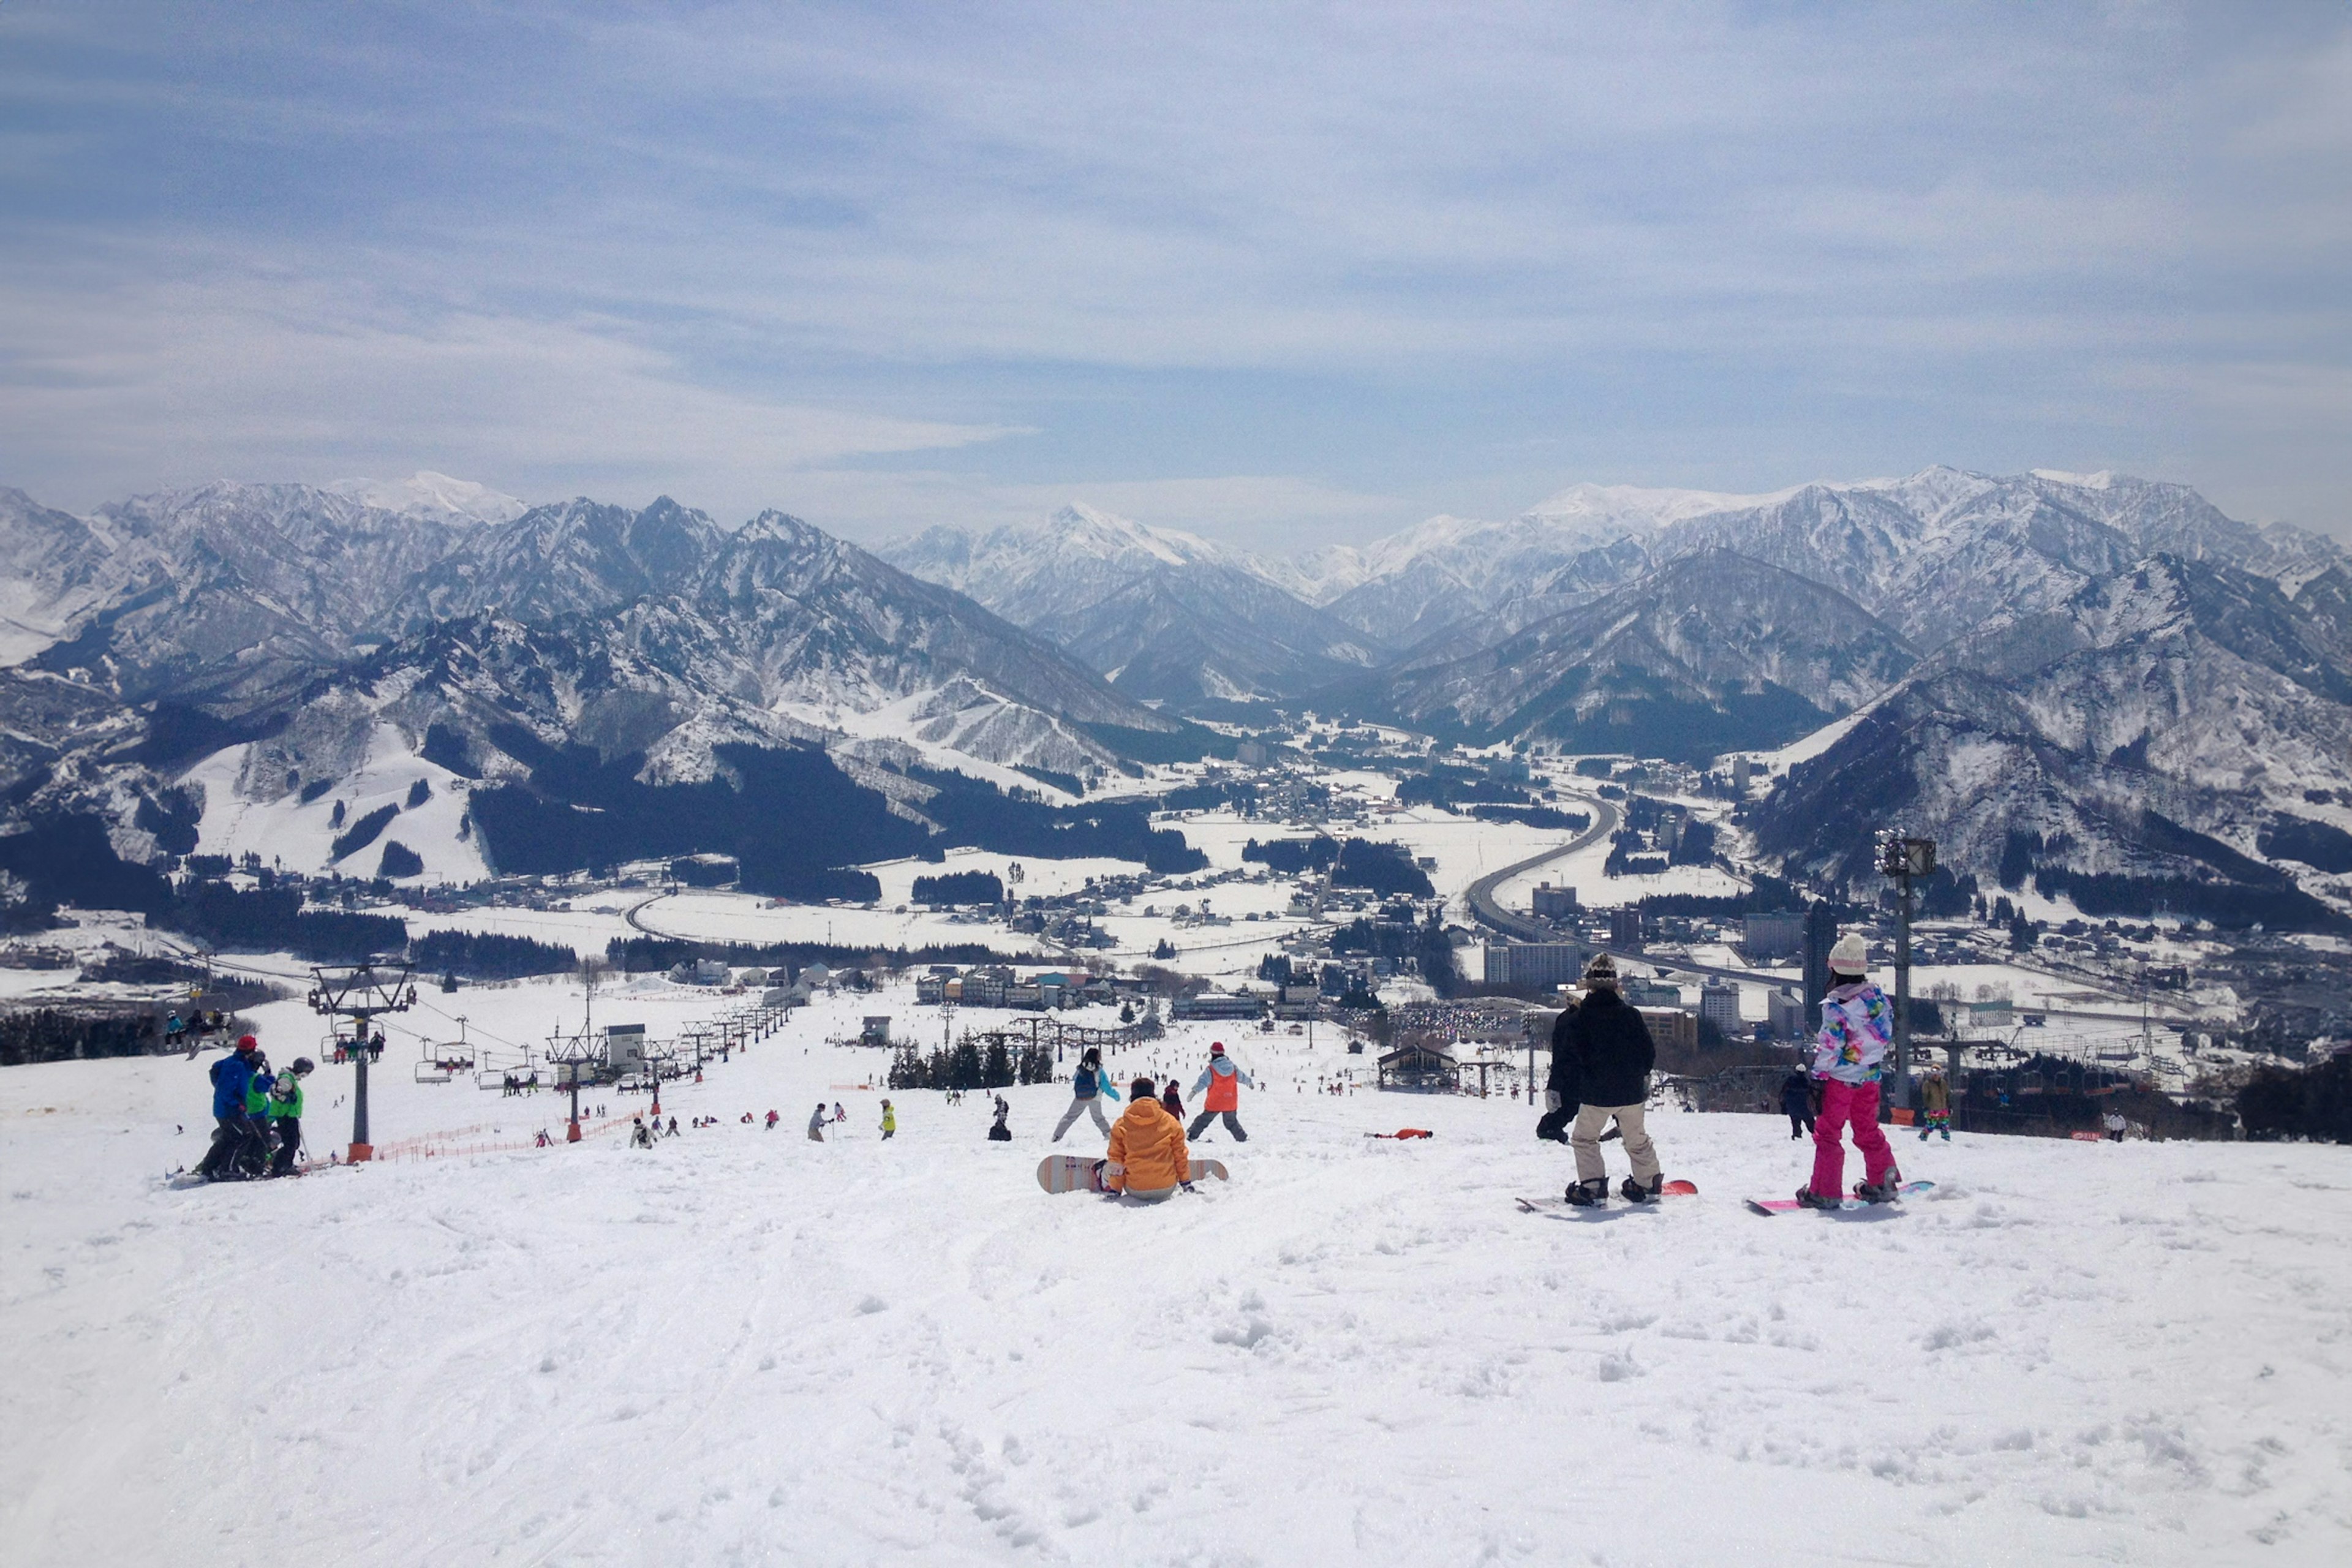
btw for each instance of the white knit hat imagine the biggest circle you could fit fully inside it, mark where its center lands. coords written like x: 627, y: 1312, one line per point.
x: 1851, y: 955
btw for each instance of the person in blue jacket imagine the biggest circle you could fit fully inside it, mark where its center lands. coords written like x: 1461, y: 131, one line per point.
x: 1087, y: 1086
x: 233, y: 1130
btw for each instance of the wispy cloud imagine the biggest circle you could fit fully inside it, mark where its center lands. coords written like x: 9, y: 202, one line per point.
x: 762, y: 254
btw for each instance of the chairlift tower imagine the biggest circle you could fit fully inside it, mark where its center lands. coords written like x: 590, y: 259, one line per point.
x: 570, y: 1054
x: 361, y: 992
x: 1906, y: 860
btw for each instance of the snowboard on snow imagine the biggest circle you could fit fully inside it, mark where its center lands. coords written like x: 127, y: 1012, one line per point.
x: 1083, y: 1173
x: 1547, y: 1205
x: 1846, y: 1204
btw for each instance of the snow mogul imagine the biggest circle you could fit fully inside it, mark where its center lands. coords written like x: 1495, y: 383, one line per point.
x: 1089, y: 1085
x: 1850, y: 1061
x: 1602, y: 1054
x: 1221, y: 1082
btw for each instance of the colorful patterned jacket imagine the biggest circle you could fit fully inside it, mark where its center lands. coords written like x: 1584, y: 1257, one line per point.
x: 1857, y: 1026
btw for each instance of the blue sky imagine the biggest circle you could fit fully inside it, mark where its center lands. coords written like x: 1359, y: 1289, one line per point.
x: 1282, y: 274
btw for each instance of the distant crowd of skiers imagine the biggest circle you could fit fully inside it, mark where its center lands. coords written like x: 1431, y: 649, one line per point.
x: 256, y: 1115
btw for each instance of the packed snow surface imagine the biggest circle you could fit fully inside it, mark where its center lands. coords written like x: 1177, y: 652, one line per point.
x: 745, y: 1347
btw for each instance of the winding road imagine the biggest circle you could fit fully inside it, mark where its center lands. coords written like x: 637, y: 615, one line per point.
x: 1486, y: 911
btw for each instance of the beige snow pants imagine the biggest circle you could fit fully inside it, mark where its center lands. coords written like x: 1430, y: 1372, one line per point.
x: 1585, y: 1139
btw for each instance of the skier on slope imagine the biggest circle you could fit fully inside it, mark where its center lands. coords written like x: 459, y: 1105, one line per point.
x: 998, y: 1131
x: 1148, y: 1159
x: 1936, y: 1101
x: 285, y: 1114
x: 889, y: 1122
x: 1088, y: 1084
x: 816, y: 1123
x: 1850, y: 1061
x: 232, y: 1131
x: 1602, y: 1054
x: 1222, y: 1080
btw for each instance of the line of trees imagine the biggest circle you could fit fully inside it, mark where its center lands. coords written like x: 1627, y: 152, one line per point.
x: 968, y: 1064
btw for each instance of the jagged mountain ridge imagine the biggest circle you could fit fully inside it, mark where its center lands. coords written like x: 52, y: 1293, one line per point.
x: 2154, y: 728
x: 1710, y: 645
x: 306, y: 630
x: 1167, y: 616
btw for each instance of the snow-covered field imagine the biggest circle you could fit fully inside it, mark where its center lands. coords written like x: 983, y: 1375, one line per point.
x: 744, y: 1347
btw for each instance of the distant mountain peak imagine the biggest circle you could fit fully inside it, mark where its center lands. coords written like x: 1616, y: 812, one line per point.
x: 436, y: 496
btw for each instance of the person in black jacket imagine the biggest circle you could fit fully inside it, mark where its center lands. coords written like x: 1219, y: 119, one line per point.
x: 1796, y: 1099
x: 1601, y: 1059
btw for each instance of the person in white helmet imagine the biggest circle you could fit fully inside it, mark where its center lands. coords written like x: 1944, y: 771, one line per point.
x: 1850, y: 1060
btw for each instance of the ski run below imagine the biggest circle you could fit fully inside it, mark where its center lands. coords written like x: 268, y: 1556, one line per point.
x: 744, y: 1347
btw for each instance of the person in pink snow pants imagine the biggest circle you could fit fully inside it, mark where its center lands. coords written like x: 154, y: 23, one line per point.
x: 1850, y: 1060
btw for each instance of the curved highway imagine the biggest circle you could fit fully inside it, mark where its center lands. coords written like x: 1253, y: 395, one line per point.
x: 1487, y: 912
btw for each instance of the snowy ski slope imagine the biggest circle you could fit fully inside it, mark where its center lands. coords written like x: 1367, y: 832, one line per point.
x: 743, y: 1347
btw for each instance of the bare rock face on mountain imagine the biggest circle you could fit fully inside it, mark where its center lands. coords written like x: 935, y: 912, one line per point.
x: 1710, y: 653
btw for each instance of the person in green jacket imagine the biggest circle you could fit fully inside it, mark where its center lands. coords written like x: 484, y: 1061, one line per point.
x: 285, y: 1114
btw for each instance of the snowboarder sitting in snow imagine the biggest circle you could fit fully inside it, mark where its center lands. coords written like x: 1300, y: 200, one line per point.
x: 1935, y: 1103
x: 640, y: 1135
x: 1088, y: 1084
x: 1850, y: 1060
x: 1148, y: 1159
x: 1222, y: 1080
x: 1601, y: 1059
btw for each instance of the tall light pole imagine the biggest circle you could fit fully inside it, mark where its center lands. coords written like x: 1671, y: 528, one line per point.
x: 1906, y: 860
x: 361, y: 991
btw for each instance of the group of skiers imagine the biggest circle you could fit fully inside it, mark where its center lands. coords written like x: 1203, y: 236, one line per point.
x: 1602, y: 1054
x: 256, y: 1115
x: 1150, y: 1157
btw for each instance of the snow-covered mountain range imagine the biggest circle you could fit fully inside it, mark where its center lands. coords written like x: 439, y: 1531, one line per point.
x: 2102, y: 682
x: 256, y: 655
x: 2039, y: 615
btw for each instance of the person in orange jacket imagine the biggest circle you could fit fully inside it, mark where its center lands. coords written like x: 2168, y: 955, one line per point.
x: 1148, y: 1159
x: 1222, y: 1080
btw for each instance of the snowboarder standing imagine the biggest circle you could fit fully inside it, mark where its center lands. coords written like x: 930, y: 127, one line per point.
x: 1088, y: 1084
x: 889, y: 1122
x: 1850, y: 1060
x: 1935, y: 1102
x: 998, y: 1132
x: 1148, y: 1159
x: 1221, y: 1082
x: 1602, y: 1054
x: 1797, y: 1101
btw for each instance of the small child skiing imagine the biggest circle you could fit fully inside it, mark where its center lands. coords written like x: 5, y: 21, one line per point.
x: 889, y: 1122
x: 1935, y: 1104
x: 1850, y: 1060
x: 1089, y: 1085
